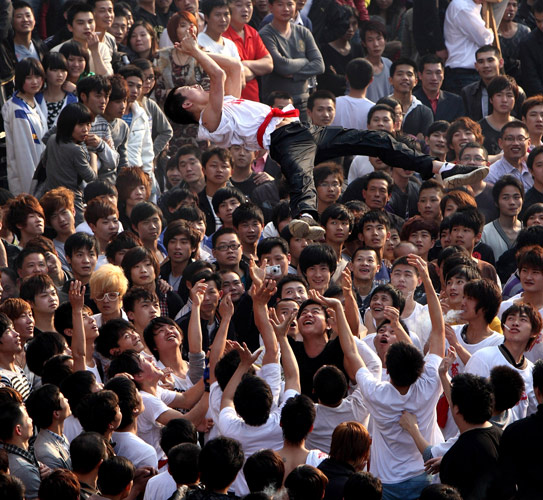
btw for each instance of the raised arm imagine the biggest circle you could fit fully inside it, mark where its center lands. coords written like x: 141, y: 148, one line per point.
x: 194, y: 334
x: 226, y: 311
x: 261, y: 294
x: 233, y: 69
x: 436, y: 342
x: 76, y: 295
x: 288, y: 359
x: 351, y: 307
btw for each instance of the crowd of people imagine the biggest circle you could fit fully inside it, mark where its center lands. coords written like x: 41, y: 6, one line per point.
x: 271, y: 250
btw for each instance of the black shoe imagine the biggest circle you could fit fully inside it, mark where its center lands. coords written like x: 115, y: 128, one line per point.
x: 460, y: 175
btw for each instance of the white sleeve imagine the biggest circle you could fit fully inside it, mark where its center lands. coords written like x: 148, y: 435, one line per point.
x: 154, y: 407
x: 474, y: 28
x: 134, y: 144
x: 370, y: 358
x: 271, y: 373
x: 228, y: 422
x: 167, y: 396
x: 477, y: 366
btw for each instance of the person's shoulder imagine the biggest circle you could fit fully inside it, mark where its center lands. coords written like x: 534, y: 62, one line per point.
x: 450, y: 96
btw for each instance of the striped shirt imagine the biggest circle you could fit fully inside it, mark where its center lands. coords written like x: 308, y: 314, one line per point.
x: 16, y: 380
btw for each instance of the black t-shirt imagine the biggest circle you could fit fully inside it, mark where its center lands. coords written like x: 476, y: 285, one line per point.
x: 330, y: 355
x: 471, y: 464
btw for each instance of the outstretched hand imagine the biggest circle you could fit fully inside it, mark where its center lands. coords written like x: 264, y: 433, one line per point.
x: 263, y: 292
x: 281, y: 327
x: 226, y: 306
x: 328, y: 302
x: 447, y: 362
x: 76, y: 295
x: 197, y: 292
x: 247, y: 358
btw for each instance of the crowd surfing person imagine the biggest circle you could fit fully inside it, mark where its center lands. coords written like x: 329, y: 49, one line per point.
x: 209, y: 291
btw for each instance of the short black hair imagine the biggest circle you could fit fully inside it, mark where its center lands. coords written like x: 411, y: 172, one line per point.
x: 43, y: 347
x: 473, y: 396
x: 537, y: 373
x: 403, y: 61
x: 73, y: 114
x: 507, y: 387
x: 264, y: 469
x: 207, y: 6
x: 314, y: 255
x: 219, y: 463
x: 11, y: 487
x: 127, y: 392
x: 253, y: 400
x: 142, y: 211
x: 502, y: 183
x: 339, y: 212
x: 306, y: 482
x: 183, y: 463
x: 76, y: 8
x: 378, y: 216
x: 174, y: 110
x: 532, y: 156
x: 114, y: 475
x: 468, y: 217
x: 330, y: 385
x: 404, y: 364
x: 381, y: 175
x: 93, y: 83
x: 381, y: 107
x: 41, y: 404
x: 177, y: 431
x: 224, y: 194
x: 487, y: 295
x: 440, y: 492
x: 131, y: 70
x: 152, y: 327
x: 221, y: 232
x: 86, y: 451
x: 247, y: 211
x: 110, y: 333
x: 438, y: 126
x: 99, y: 188
x: 225, y: 368
x: 430, y: 59
x: 96, y: 411
x: 266, y: 245
x: 320, y: 94
x: 56, y: 369
x: 297, y: 418
x: 398, y: 300
x: 80, y: 240
x: 76, y: 386
x: 359, y: 73
x: 513, y: 124
x: 363, y: 485
x: 537, y: 6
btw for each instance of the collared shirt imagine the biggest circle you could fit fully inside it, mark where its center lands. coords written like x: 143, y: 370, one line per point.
x: 60, y: 439
x: 22, y: 52
x: 503, y: 167
x: 26, y: 454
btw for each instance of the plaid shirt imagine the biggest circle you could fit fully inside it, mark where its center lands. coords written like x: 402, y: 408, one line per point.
x: 26, y: 454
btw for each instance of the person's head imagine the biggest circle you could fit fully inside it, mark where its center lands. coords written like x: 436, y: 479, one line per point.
x: 133, y: 185
x: 253, y: 400
x: 119, y: 245
x: 454, y: 200
x: 381, y: 117
x: 188, y: 161
x: 77, y: 59
x: 119, y: 26
x: 181, y: 241
x: 248, y: 220
x: 88, y: 451
x: 142, y: 39
x: 507, y: 386
x: 535, y: 164
x: 359, y: 73
x: 472, y: 399
x: 514, y: 141
x: 115, y: 476
x: 133, y: 75
x: 58, y: 208
x: 10, y: 486
x: 328, y: 178
x: 183, y: 463
x: 321, y: 108
x: 393, y: 103
x: 318, y: 263
x: 102, y: 216
x: 467, y: 227
x: 116, y: 336
x: 279, y: 99
x: 521, y: 323
x: 56, y: 69
x: 481, y: 296
x: 225, y: 201
x: 275, y: 251
x: 177, y: 431
x: 93, y: 91
x: 99, y: 412
x: 183, y: 105
x: 130, y: 401
x: 42, y: 348
x: 100, y: 189
x: 23, y: 215
x: 364, y: 263
x: 530, y: 269
x: 217, y: 166
x: 473, y: 154
x: 374, y: 229
x: 40, y: 292
x: 462, y: 131
x: 373, y: 36
x: 440, y: 492
x: 31, y: 261
x: 23, y: 21
x: 74, y: 123
x: 216, y: 15
x: 140, y: 266
x: 338, y: 222
x: 264, y: 470
x: 146, y: 220
x: 488, y: 62
x: 219, y: 463
x: 421, y: 232
x: 81, y: 251
x: 404, y: 364
x: 29, y: 76
x: 46, y: 405
x: 503, y: 93
x: 148, y: 72
x: 180, y: 24
x: 404, y: 276
x: 306, y: 482
x: 508, y: 194
x: 226, y: 247
x: 329, y: 385
x: 292, y: 287
x: 116, y: 106
x: 436, y: 137
x: 455, y: 278
x: 61, y: 483
x: 10, y: 340
x: 80, y: 21
x: 403, y: 75
x: 162, y: 335
x: 363, y: 485
x: 430, y: 195
x: 431, y: 73
x: 20, y: 314
x: 108, y: 285
x: 15, y: 424
x: 297, y: 417
x: 377, y: 189
x: 532, y: 114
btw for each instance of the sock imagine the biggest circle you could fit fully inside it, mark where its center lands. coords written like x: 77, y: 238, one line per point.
x: 446, y: 166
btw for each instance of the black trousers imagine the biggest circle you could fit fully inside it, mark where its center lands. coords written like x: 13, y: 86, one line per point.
x: 298, y: 148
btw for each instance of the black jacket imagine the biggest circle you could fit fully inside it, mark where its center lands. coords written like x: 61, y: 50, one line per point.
x: 337, y: 474
x: 418, y: 120
x: 531, y: 62
x: 449, y: 105
x: 8, y: 60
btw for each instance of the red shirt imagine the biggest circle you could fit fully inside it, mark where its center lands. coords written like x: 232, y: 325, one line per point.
x: 250, y: 49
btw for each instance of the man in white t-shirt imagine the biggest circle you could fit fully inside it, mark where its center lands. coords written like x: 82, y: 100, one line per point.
x: 352, y: 109
x: 217, y: 17
x: 414, y: 386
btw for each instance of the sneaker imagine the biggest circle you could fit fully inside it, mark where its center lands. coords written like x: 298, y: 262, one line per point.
x: 460, y: 175
x: 299, y: 228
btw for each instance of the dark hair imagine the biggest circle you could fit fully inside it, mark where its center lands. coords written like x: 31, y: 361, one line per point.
x: 75, y: 9
x: 11, y: 414
x: 183, y: 463
x: 127, y: 393
x: 537, y: 373
x: 78, y: 241
x: 359, y: 73
x: 246, y: 212
x: 150, y: 332
x: 263, y: 469
x: 323, y: 170
x: 110, y: 333
x: 329, y: 385
x: 41, y: 404
x: 320, y: 94
x: 378, y: 216
x: 34, y: 285
x: 73, y: 114
x: 135, y: 294
x: 114, y: 475
x: 74, y: 48
x: 438, y: 126
x: 225, y: 368
x: 174, y: 110
x: 531, y: 258
x: 503, y: 182
x: 54, y: 60
x: 26, y: 67
x: 136, y: 255
x: 531, y: 102
x: 119, y: 88
x: 488, y: 48
x: 94, y: 83
x: 96, y: 411
x: 513, y: 124
x: 314, y: 255
x: 122, y: 241
x: 473, y: 396
x: 380, y: 175
x: 253, y: 400
x: 403, y: 61
x: 470, y: 218
x: 372, y: 25
x: 363, y: 485
x: 381, y: 107
x: 142, y: 211
x: 463, y: 123
x: 219, y: 463
x: 177, y: 431
x: 76, y: 386
x: 56, y: 369
x: 306, y: 483
x: 507, y: 387
x: 404, y: 364
x: 224, y: 194
x: 43, y: 347
x: 500, y: 83
x: 417, y: 223
x: 86, y: 451
x: 277, y: 94
x: 289, y: 278
x: 99, y: 188
x: 339, y: 212
x: 486, y: 294
x: 281, y: 212
x: 60, y: 483
x: 17, y: 210
x: 297, y: 417
x: 10, y: 486
x: 398, y: 300
x: 439, y: 492
x: 533, y: 315
x: 464, y: 267
x: 266, y: 245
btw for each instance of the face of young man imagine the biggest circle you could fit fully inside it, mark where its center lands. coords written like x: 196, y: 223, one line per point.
x: 179, y: 249
x: 375, y: 234
x: 129, y: 339
x: 318, y: 277
x: 381, y: 120
x: 534, y: 120
x: 488, y: 65
x: 283, y: 10
x: 231, y: 283
x: 464, y: 237
x: 190, y: 168
x: 119, y: 28
x: 364, y: 265
x: 473, y: 157
x: 296, y: 245
x: 211, y: 300
x: 323, y: 112
x: 228, y: 250
x: 405, y: 279
x: 149, y: 229
x: 217, y: 171
x: 514, y: 144
x: 460, y: 138
x: 437, y: 143
x: 226, y: 209
x: 143, y: 273
x: 24, y: 325
x: 106, y: 227
x: 294, y: 290
x: 284, y: 309
x: 534, y: 220
x: 241, y: 157
x: 431, y: 78
x: 378, y: 302
x: 374, y: 43
x: 33, y: 263
x: 428, y: 204
x: 531, y: 279
x: 404, y: 79
x: 510, y: 201
x: 376, y: 194
x: 95, y: 101
x: 503, y: 101
x: 241, y: 12
x: 63, y: 221
x: 518, y: 328
x: 144, y: 311
x: 276, y: 257
x: 23, y: 20
x: 135, y: 86
x: 329, y: 189
x: 117, y: 108
x: 190, y: 5
x: 46, y: 301
x: 83, y: 262
x: 83, y: 26
x: 218, y: 20
x: 312, y: 321
x: 103, y: 14
x: 337, y: 231
x: 422, y: 240
x: 10, y: 341
x: 249, y: 231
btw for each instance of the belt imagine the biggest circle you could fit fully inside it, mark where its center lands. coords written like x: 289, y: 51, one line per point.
x: 274, y: 113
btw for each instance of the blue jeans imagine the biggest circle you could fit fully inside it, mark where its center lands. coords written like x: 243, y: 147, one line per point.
x: 409, y: 489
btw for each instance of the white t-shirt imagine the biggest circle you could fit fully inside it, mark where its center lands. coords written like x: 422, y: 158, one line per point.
x: 482, y: 362
x: 162, y: 486
x: 360, y: 166
x: 352, y: 112
x: 458, y: 366
x: 419, y: 323
x: 148, y: 426
x: 315, y: 457
x: 180, y: 383
x: 100, y: 322
x: 227, y: 48
x: 395, y: 457
x: 135, y: 449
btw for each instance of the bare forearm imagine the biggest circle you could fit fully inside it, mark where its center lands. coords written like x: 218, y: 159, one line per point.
x: 437, y: 336
x: 78, y: 342
x: 99, y: 66
x: 209, y: 64
x: 260, y: 67
x: 351, y: 312
x: 290, y: 366
x: 265, y: 328
x: 217, y: 348
x: 195, y: 331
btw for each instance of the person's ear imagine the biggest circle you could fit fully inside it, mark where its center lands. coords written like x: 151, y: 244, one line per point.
x: 186, y: 104
x: 288, y: 257
x: 115, y: 351
x: 478, y: 237
x: 68, y: 332
x: 130, y: 315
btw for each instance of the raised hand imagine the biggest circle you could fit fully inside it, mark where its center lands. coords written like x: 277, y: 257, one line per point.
x: 261, y: 294
x: 447, y: 362
x: 76, y: 295
x: 226, y: 306
x: 392, y: 314
x: 197, y: 292
x: 419, y: 263
x: 328, y: 302
x: 258, y: 273
x: 281, y: 327
x: 247, y: 358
